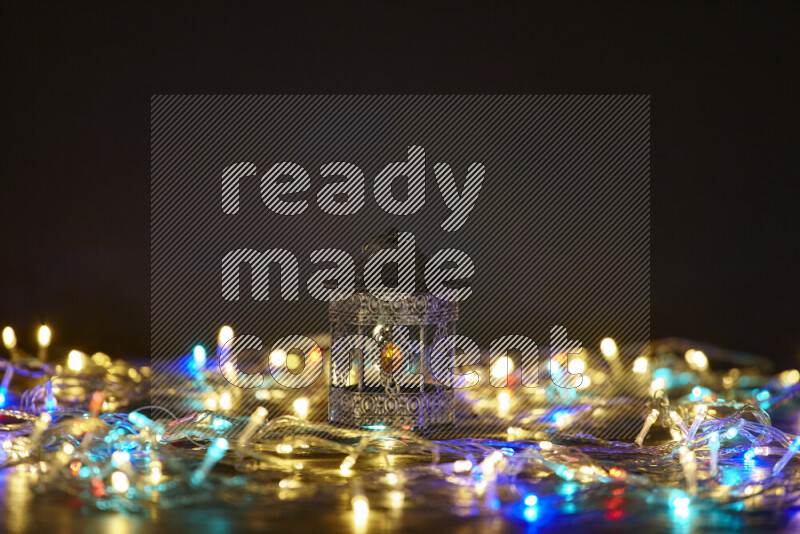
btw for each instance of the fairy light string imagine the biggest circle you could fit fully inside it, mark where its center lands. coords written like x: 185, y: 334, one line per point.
x: 71, y: 432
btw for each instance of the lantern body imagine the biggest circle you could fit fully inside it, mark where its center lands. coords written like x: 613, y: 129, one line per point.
x: 391, y: 361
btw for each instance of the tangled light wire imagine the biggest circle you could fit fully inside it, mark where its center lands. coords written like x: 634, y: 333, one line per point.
x: 66, y: 435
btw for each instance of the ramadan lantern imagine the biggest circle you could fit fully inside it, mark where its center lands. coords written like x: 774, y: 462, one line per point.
x: 389, y: 358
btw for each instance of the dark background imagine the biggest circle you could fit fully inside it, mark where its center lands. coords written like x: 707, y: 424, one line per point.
x: 74, y: 165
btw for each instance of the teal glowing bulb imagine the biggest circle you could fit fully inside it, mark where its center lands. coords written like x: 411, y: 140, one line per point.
x: 199, y: 353
x: 142, y: 421
x: 217, y: 450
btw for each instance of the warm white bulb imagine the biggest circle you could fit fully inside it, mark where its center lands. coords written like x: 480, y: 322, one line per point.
x: 585, y: 382
x: 44, y: 336
x: 277, y: 358
x: 696, y: 359
x: 225, y: 335
x: 155, y: 474
x: 503, y: 367
x: 301, y: 407
x: 657, y: 385
x: 120, y: 482
x: 9, y: 338
x: 225, y: 401
x: 360, y: 510
x: 576, y: 366
x: 640, y: 365
x: 503, y: 401
x: 608, y: 347
x: 75, y: 360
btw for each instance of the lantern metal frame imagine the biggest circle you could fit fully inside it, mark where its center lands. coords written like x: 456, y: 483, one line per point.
x: 390, y: 404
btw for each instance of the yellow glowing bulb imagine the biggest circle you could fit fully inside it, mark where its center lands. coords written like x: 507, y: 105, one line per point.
x: 277, y: 358
x: 75, y: 360
x: 790, y: 377
x: 301, y: 407
x: 640, y: 365
x: 225, y: 335
x: 503, y: 401
x: 503, y: 367
x: 225, y: 401
x: 211, y: 403
x: 657, y: 385
x: 576, y: 366
x: 396, y: 498
x: 44, y: 335
x: 155, y: 474
x: 608, y: 347
x: 462, y: 466
x: 360, y: 510
x: 700, y: 359
x: 120, y: 481
x: 9, y: 338
x: 285, y: 448
x: 585, y: 382
x: 696, y: 359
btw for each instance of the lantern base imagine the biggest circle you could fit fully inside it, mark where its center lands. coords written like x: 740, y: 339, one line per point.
x: 409, y: 408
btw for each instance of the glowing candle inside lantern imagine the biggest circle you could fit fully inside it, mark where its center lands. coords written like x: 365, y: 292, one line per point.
x: 10, y: 343
x: 43, y: 336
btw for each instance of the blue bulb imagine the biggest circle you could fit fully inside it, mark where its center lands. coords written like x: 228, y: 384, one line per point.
x: 763, y: 395
x: 3, y: 397
x: 531, y: 499
x: 697, y: 392
x: 530, y: 514
x: 750, y: 454
x: 732, y: 432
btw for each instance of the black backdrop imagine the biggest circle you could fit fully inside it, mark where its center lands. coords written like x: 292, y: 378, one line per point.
x: 77, y: 81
